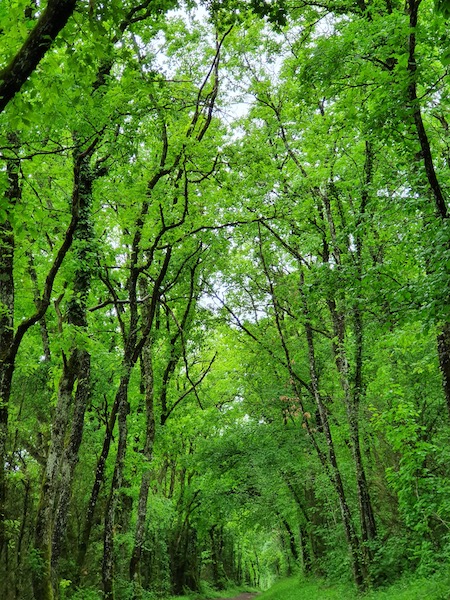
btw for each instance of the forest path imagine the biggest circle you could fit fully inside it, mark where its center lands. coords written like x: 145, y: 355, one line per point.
x: 245, y: 596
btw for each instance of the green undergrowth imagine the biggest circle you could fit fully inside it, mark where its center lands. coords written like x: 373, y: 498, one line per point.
x: 436, y: 587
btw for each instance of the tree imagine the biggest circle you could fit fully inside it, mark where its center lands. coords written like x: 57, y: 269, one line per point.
x: 222, y: 336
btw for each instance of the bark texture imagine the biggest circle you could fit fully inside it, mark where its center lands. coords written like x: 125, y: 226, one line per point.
x: 444, y: 360
x: 435, y: 187
x: 116, y: 484
x: 67, y: 429
x: 147, y: 377
x: 7, y: 244
x: 42, y: 578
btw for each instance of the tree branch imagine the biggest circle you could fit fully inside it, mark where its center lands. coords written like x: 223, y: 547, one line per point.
x: 50, y: 23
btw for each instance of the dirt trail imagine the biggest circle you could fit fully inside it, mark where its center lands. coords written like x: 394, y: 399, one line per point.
x: 245, y: 596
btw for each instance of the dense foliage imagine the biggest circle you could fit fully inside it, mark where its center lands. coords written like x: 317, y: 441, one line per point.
x: 224, y: 294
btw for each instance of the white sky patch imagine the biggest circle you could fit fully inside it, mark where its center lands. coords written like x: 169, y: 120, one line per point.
x: 235, y: 100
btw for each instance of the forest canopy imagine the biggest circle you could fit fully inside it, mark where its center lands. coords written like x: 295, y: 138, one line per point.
x: 224, y: 294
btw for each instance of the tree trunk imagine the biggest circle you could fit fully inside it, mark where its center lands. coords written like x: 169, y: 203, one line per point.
x: 352, y: 400
x: 98, y: 482
x: 24, y: 526
x: 444, y: 360
x: 62, y: 458
x: 368, y: 526
x: 435, y: 187
x: 291, y: 538
x: 6, y: 331
x: 116, y: 484
x: 147, y: 376
x: 305, y: 528
x: 42, y: 578
x: 443, y: 339
x: 305, y: 550
x: 350, y: 533
x: 37, y: 299
x: 70, y: 458
x: 217, y: 547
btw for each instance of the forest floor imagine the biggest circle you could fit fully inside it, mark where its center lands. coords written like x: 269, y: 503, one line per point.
x: 434, y: 587
x: 245, y: 596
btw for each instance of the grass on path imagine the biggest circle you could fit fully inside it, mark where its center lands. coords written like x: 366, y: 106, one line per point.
x: 434, y: 588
